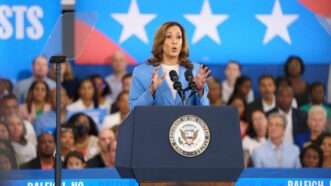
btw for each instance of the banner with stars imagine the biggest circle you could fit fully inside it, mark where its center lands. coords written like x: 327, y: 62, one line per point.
x: 252, y: 32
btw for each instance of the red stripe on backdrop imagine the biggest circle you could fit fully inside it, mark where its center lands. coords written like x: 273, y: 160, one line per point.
x: 93, y: 47
x: 320, y: 7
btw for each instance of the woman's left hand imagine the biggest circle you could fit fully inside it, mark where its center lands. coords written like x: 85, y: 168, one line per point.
x: 201, y: 78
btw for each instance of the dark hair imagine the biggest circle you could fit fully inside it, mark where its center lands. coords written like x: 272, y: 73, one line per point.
x: 93, y: 127
x: 233, y: 62
x: 8, y: 84
x: 106, y: 89
x: 239, y: 82
x: 8, y: 97
x: 266, y: 76
x: 322, y: 137
x: 29, y: 98
x: 289, y: 60
x: 127, y: 75
x: 75, y: 154
x: 159, y: 39
x: 316, y: 149
x: 250, y: 129
x: 9, y: 150
x: 95, y: 95
x: 315, y: 85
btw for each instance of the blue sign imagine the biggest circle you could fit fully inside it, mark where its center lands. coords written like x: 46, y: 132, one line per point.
x: 25, y: 27
x: 253, y: 32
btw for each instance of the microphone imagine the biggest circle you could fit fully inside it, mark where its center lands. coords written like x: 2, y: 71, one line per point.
x: 191, y: 83
x: 177, y: 84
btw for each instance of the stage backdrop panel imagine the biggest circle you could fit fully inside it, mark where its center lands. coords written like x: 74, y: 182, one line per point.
x: 253, y: 31
x: 25, y: 27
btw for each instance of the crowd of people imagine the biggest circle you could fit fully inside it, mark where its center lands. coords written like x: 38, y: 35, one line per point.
x: 286, y: 124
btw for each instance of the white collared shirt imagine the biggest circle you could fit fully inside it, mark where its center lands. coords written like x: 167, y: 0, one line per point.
x: 288, y: 138
x: 266, y: 107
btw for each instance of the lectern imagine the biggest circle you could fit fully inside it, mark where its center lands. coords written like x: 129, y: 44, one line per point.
x: 179, y: 145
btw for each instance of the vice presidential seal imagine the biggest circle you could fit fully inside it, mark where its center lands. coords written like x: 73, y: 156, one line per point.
x: 189, y: 136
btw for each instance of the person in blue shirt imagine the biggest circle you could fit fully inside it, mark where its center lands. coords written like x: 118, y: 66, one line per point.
x: 151, y: 82
x: 276, y: 152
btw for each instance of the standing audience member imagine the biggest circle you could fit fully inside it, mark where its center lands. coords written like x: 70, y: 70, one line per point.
x: 39, y: 72
x: 240, y: 103
x: 296, y: 119
x: 242, y: 87
x: 276, y: 152
x: 122, y: 103
x: 85, y: 132
x: 107, y: 144
x: 67, y: 78
x: 317, y: 125
x: 103, y: 92
x: 37, y: 101
x: 119, y: 67
x: 24, y: 149
x: 232, y: 72
x: 215, y: 92
x: 311, y: 157
x: 267, y: 100
x: 74, y: 160
x: 324, y: 141
x: 67, y: 141
x: 86, y: 97
x: 294, y: 68
x: 45, y: 159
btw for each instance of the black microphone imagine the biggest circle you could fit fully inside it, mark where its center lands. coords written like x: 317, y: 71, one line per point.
x: 177, y: 84
x: 191, y: 83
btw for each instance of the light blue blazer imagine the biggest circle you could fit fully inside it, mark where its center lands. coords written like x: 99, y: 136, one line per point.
x: 140, y: 94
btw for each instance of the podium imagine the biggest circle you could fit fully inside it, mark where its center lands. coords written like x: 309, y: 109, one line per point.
x: 146, y: 149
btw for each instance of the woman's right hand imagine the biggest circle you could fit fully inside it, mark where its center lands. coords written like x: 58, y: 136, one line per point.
x: 156, y: 80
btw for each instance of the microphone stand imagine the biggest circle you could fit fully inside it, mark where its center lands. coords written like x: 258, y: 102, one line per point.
x: 57, y: 60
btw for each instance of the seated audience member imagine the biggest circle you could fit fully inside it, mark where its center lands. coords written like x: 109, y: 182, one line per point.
x: 7, y: 148
x: 276, y: 152
x: 122, y: 103
x: 67, y: 77
x: 294, y: 68
x: 296, y: 119
x: 39, y: 72
x: 85, y: 132
x: 103, y: 92
x: 324, y: 141
x: 47, y: 121
x: 311, y: 157
x: 317, y: 94
x: 37, y: 101
x: 67, y: 141
x: 86, y: 97
x: 107, y: 144
x: 214, y: 92
x: 9, y: 106
x: 267, y: 101
x: 45, y: 159
x: 119, y: 69
x: 74, y: 160
x: 240, y: 103
x: 242, y: 88
x: 284, y: 82
x: 257, y: 131
x: 24, y: 149
x: 317, y: 125
x: 232, y: 72
x: 4, y: 131
x: 6, y: 87
x: 5, y: 161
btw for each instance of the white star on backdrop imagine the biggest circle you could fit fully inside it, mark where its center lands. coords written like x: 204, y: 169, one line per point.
x: 206, y: 23
x: 133, y: 23
x: 277, y: 23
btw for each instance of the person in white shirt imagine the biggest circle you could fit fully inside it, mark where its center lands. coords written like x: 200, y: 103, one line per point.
x: 87, y: 97
x: 232, y: 72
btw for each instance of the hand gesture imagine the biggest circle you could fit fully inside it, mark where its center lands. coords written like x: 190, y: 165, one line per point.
x: 156, y: 80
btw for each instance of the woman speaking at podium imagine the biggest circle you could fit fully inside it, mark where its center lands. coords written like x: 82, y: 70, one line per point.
x: 168, y: 77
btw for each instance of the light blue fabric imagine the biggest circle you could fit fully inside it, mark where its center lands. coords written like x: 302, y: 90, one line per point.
x: 265, y: 156
x: 140, y: 94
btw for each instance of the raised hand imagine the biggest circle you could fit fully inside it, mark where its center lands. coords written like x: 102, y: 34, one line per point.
x: 201, y: 78
x: 156, y: 80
